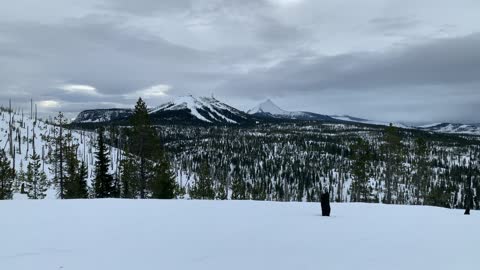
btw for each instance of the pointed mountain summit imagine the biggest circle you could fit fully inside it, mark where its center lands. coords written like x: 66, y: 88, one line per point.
x: 268, y: 109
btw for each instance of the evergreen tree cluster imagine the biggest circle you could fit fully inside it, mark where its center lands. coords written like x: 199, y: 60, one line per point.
x: 295, y: 162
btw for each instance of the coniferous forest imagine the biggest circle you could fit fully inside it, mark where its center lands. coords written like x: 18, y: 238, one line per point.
x: 289, y: 161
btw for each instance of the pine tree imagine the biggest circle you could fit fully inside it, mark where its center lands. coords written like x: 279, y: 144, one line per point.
x: 58, y: 143
x: 103, y: 182
x: 422, y: 175
x: 71, y: 170
x: 36, y: 180
x: 163, y: 184
x: 82, y: 187
x: 362, y: 156
x: 392, y: 149
x: 146, y: 173
x: 129, y: 178
x: 203, y: 187
x: 139, y: 143
x: 7, y: 175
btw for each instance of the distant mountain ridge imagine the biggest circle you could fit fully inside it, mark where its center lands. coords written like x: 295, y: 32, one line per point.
x: 210, y: 111
x: 181, y: 110
x: 102, y: 115
x: 270, y: 109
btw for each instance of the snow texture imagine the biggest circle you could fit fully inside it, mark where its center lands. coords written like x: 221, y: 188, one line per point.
x: 184, y: 234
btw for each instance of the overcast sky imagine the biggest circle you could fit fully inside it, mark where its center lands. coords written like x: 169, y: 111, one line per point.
x: 391, y: 60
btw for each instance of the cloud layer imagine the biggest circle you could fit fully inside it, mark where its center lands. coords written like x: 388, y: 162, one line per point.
x: 385, y: 60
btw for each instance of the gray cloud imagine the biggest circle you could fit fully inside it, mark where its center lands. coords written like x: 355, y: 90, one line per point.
x: 325, y: 56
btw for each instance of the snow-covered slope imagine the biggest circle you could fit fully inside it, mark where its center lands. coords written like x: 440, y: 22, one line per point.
x: 237, y: 235
x: 24, y: 143
x: 348, y: 118
x: 204, y: 109
x: 270, y: 109
x: 453, y: 128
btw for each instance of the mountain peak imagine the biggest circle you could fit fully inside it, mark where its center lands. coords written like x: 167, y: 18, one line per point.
x: 268, y: 107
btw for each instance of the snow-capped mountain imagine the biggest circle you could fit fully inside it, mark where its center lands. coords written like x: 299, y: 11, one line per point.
x: 190, y: 109
x: 470, y: 129
x: 269, y: 109
x: 102, y: 115
x: 182, y: 110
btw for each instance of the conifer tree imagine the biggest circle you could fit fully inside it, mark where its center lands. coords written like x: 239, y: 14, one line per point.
x: 71, y: 170
x: 146, y: 173
x: 57, y: 157
x: 139, y: 143
x: 392, y: 149
x: 103, y: 182
x: 203, y: 187
x: 422, y: 174
x: 129, y: 178
x: 35, y: 179
x: 7, y: 175
x: 82, y: 186
x: 362, y: 156
x: 163, y: 184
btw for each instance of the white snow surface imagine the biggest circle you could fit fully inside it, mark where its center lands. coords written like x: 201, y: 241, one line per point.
x: 243, y: 235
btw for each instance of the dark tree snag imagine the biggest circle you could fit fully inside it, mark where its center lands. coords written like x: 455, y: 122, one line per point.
x: 325, y: 202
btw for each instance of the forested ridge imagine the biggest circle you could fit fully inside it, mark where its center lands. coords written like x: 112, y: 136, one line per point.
x: 284, y: 161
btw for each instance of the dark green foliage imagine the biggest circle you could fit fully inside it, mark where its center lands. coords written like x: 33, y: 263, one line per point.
x: 163, y: 184
x: 422, y: 176
x: 7, y: 175
x: 360, y: 171
x: 440, y: 196
x: 103, y: 182
x: 129, y: 178
x: 59, y: 141
x: 145, y: 172
x: 143, y: 143
x: 392, y: 150
x: 36, y: 183
x: 203, y: 188
x: 82, y: 186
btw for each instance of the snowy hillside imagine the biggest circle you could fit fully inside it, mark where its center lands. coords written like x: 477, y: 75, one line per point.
x: 243, y: 235
x: 452, y: 128
x: 28, y: 135
x: 368, y: 122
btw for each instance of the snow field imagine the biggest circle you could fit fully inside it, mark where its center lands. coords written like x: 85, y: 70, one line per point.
x: 187, y: 234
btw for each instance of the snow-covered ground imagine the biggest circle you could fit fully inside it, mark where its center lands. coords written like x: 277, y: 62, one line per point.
x: 24, y: 128
x: 244, y: 235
